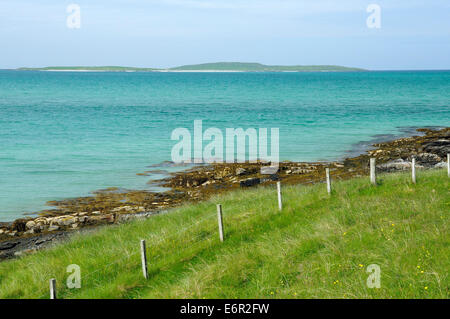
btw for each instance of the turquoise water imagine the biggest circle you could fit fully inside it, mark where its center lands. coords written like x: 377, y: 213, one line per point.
x: 64, y: 134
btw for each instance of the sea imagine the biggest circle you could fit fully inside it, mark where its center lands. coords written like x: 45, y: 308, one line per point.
x: 67, y: 134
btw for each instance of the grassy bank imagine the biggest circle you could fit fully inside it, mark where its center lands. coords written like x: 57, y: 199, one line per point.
x: 318, y: 247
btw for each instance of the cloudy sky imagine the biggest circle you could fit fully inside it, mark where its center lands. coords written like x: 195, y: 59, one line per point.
x: 414, y: 34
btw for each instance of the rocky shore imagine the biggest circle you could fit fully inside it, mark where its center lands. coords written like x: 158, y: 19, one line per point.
x: 112, y: 206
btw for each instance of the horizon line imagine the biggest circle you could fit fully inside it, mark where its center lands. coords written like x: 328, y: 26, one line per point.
x: 167, y: 70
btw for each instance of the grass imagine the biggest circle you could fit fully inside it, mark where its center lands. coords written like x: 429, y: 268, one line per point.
x: 319, y: 246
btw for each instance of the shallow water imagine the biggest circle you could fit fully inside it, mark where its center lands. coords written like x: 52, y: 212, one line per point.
x: 64, y: 134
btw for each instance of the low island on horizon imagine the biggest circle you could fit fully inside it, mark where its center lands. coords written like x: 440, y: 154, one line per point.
x: 205, y: 67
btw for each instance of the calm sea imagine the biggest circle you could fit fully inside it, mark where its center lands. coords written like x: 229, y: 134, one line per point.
x: 64, y: 134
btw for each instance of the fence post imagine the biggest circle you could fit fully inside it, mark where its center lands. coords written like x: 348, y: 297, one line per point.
x: 373, y: 176
x: 448, y: 164
x: 144, y: 259
x: 327, y: 172
x: 413, y: 169
x: 53, y: 288
x: 280, y: 202
x: 220, y: 222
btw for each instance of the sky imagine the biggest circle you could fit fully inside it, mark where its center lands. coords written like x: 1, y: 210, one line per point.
x: 413, y: 34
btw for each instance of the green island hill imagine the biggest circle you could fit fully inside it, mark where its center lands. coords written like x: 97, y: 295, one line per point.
x: 206, y: 67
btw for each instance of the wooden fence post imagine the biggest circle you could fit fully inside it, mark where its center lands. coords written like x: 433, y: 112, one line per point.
x: 280, y: 202
x: 220, y: 221
x: 413, y: 169
x: 327, y: 172
x: 448, y: 164
x: 144, y: 259
x: 52, y: 288
x: 373, y: 176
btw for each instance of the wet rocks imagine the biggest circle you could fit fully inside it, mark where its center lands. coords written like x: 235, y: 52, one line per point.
x: 101, y: 219
x: 391, y: 156
x: 199, y: 181
x: 22, y: 245
x: 299, y: 170
x: 114, y: 205
x: 395, y: 165
x: 208, y: 182
x: 250, y: 182
x: 271, y: 178
x: 122, y: 209
x: 63, y: 220
x: 127, y: 217
x: 8, y: 245
x: 440, y: 147
x: 441, y: 165
x: 57, y: 223
x: 268, y: 170
x: 7, y: 234
x: 427, y: 159
x: 19, y: 225
x: 53, y: 228
x: 30, y: 224
x: 222, y: 172
x: 189, y: 180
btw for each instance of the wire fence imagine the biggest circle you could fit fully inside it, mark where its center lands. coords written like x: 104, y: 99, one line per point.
x: 164, y: 259
x: 44, y: 291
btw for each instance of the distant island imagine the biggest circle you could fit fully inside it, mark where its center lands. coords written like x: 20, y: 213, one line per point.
x: 206, y: 67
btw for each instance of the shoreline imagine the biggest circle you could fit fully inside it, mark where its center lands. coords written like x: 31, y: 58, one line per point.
x: 192, y: 71
x: 113, y: 206
x: 163, y: 169
x: 364, y: 146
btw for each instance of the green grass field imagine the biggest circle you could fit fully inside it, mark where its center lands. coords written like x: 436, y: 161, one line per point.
x: 319, y: 246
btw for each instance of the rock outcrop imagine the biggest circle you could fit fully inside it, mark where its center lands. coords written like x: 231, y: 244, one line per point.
x: 113, y: 205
